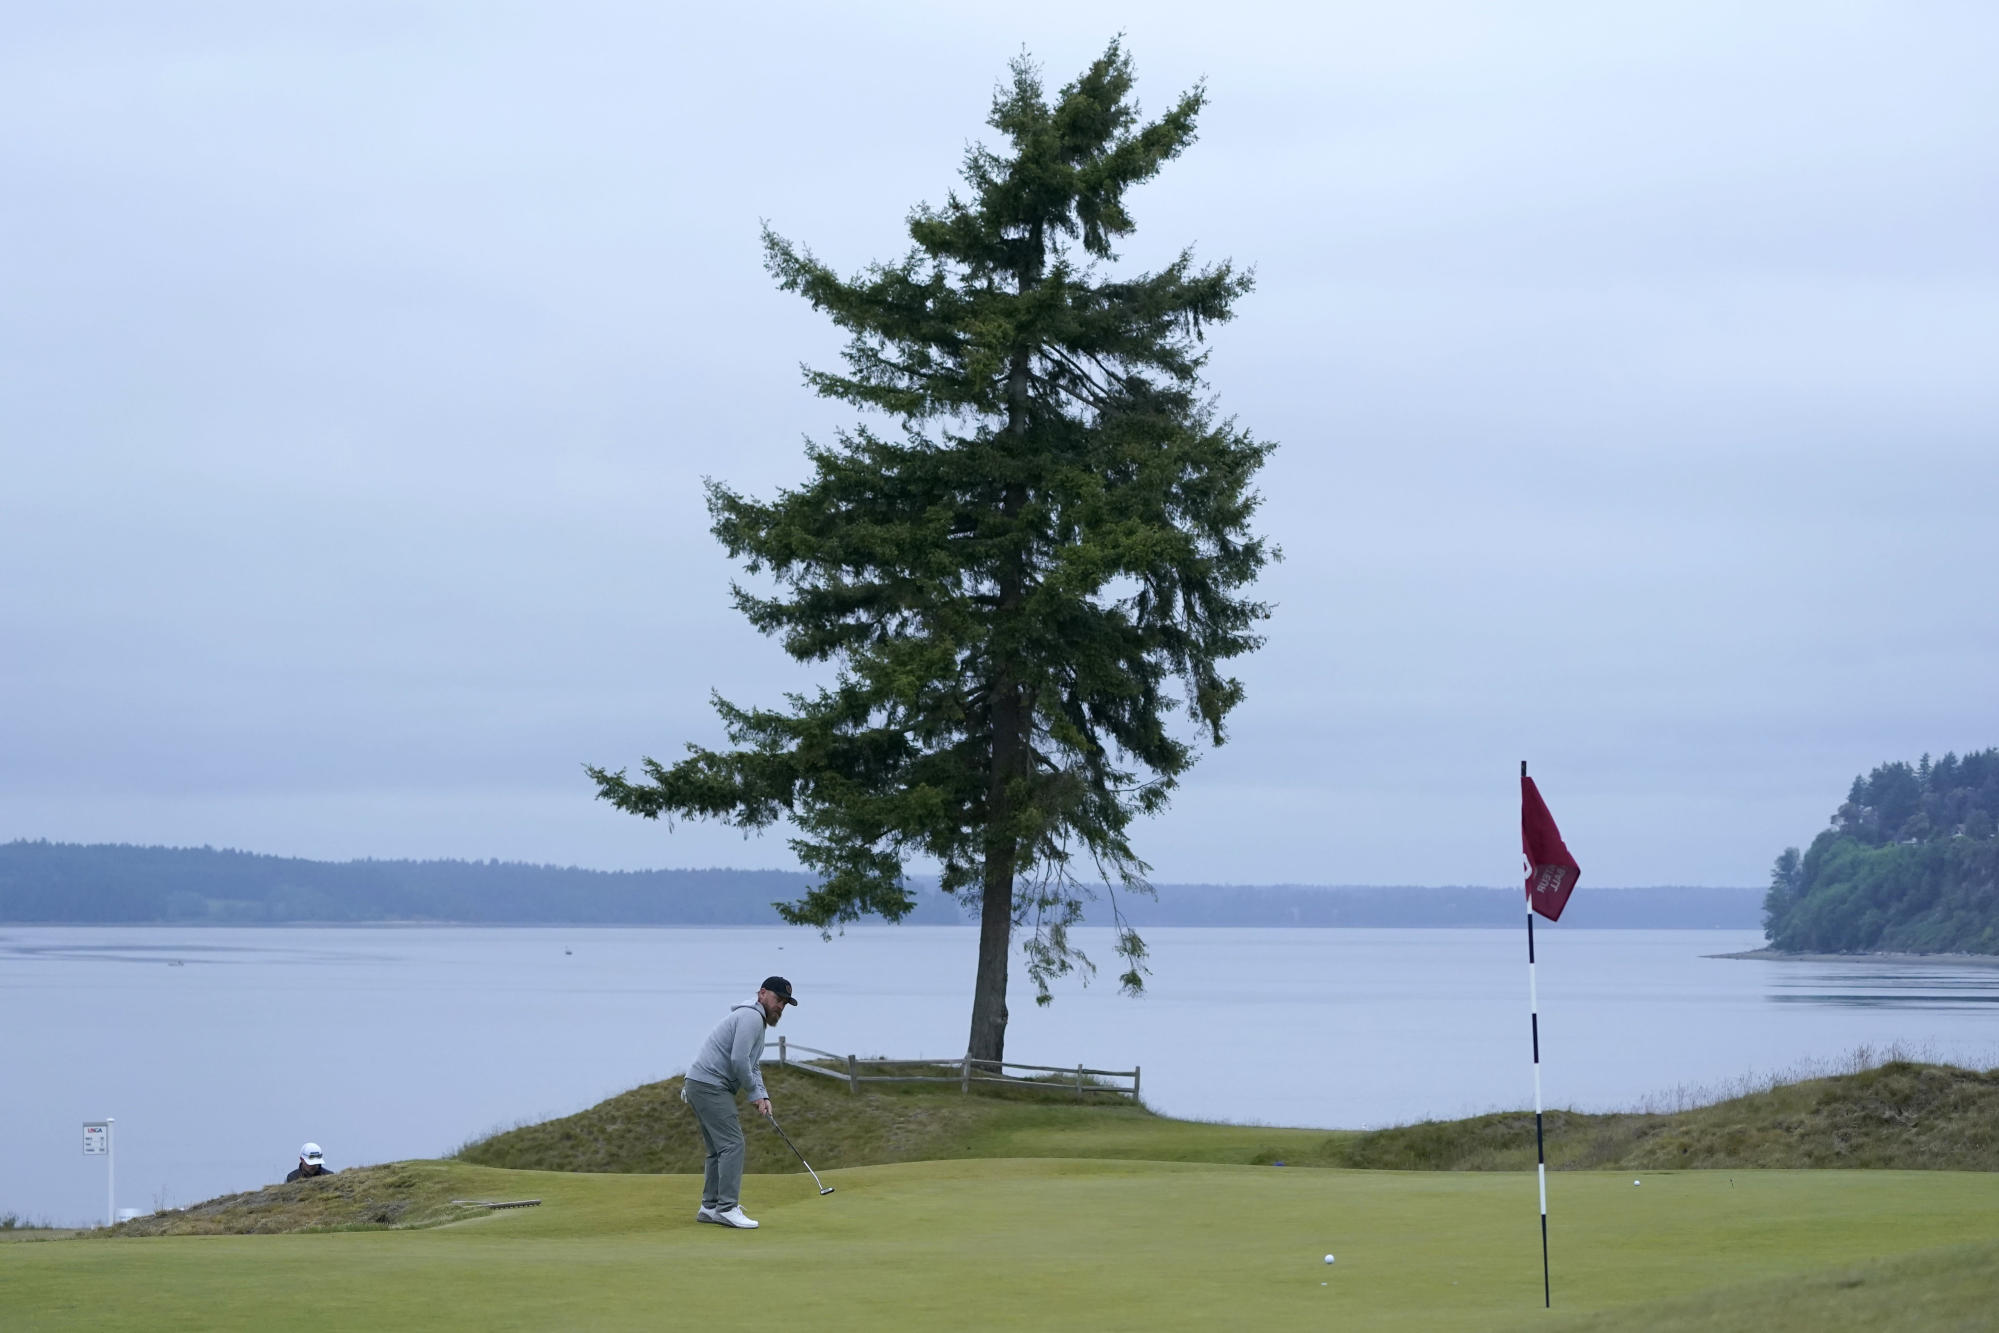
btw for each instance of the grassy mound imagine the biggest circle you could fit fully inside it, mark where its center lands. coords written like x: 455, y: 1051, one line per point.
x: 366, y: 1198
x: 650, y: 1130
x: 1902, y: 1116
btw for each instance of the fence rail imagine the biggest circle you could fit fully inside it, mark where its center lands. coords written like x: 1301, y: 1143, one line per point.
x: 964, y: 1071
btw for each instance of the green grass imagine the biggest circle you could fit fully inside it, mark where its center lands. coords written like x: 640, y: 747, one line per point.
x: 1949, y: 1290
x: 1902, y: 1116
x: 1031, y: 1211
x: 1041, y: 1243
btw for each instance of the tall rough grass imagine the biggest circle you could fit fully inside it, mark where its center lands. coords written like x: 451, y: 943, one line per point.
x: 1886, y: 1114
x: 1693, y: 1096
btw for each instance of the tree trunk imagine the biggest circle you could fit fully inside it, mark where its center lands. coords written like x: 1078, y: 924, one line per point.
x: 988, y: 1037
x: 1010, y: 739
x: 1010, y: 757
x: 1009, y: 762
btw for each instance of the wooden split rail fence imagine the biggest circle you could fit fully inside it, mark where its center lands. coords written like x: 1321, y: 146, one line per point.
x: 964, y: 1071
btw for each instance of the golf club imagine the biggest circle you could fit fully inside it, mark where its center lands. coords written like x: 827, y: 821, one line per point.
x: 824, y: 1188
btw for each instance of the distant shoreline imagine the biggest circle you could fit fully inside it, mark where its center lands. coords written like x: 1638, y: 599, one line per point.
x: 110, y: 884
x: 1779, y: 956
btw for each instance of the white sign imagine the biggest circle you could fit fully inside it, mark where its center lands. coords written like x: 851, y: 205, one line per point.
x: 96, y: 1139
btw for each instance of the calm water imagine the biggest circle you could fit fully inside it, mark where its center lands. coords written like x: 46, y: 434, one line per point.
x: 220, y: 1051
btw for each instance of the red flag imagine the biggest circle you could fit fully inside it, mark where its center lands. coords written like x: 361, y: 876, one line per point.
x: 1551, y: 871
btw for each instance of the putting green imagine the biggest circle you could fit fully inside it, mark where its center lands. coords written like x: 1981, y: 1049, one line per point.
x: 1024, y: 1244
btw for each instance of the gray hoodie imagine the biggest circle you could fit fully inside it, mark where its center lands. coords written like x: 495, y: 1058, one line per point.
x: 732, y: 1057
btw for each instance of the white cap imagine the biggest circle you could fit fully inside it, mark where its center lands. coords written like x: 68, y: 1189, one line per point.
x: 312, y: 1155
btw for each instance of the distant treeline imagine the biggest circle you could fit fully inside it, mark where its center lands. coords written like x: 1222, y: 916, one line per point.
x: 67, y: 882
x: 48, y: 883
x: 1911, y: 863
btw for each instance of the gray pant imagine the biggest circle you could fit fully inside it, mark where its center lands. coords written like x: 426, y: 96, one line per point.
x: 715, y: 1112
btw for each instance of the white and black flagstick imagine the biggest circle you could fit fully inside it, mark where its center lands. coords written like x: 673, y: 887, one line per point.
x: 1540, y: 1153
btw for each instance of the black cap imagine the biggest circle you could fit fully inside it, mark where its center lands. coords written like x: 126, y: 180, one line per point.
x: 780, y: 987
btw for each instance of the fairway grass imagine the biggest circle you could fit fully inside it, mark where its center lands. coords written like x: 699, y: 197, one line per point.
x: 1952, y: 1290
x: 1041, y: 1243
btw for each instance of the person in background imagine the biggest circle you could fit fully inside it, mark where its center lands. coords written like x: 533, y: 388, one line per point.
x: 311, y: 1162
x: 728, y: 1063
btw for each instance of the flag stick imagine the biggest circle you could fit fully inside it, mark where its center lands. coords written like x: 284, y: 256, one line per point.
x: 1540, y: 1152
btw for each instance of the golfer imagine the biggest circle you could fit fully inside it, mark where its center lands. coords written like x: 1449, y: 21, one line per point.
x: 311, y: 1162
x: 730, y: 1062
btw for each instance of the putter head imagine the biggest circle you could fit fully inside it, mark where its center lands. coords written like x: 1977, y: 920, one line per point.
x: 827, y: 1190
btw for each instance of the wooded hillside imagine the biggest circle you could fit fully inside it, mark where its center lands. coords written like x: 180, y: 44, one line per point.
x: 1910, y: 864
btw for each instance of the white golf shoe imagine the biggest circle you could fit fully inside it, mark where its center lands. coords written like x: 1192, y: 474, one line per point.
x: 707, y: 1214
x: 733, y: 1217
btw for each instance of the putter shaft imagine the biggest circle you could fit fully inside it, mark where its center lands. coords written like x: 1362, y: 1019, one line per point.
x: 824, y: 1188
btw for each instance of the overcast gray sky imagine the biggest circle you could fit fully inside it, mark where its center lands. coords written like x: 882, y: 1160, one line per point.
x: 1633, y: 368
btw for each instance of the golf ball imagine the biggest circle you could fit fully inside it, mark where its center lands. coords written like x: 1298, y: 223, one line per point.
x: 1636, y: 1182
x: 1329, y: 1258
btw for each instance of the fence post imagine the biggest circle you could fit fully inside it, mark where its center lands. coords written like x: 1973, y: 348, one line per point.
x: 1079, y: 1083
x: 1134, y: 1082
x: 853, y: 1076
x: 780, y: 1050
x: 965, y: 1075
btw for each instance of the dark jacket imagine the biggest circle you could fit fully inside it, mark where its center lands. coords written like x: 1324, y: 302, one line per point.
x: 302, y: 1172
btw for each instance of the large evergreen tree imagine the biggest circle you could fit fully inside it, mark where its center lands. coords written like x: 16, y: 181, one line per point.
x: 1041, y: 532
